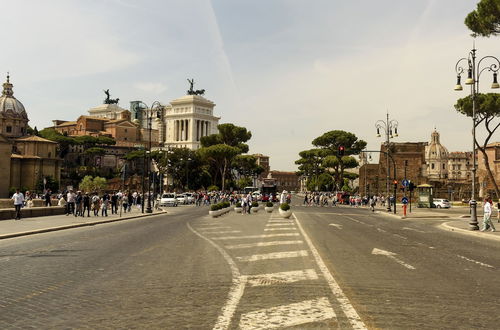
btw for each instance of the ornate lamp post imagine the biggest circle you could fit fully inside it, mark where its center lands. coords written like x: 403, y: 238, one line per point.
x: 148, y: 114
x: 474, y: 71
x: 390, y: 128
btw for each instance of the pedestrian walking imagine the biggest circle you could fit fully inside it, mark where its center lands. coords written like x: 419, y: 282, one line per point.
x: 47, y: 198
x: 86, y: 205
x: 104, y: 205
x: 70, y: 200
x: 487, y: 215
x: 18, y: 199
x: 498, y: 208
x: 96, y: 202
x: 79, y: 204
x: 114, y: 203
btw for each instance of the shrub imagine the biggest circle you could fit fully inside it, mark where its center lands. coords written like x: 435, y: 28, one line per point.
x: 285, y: 206
x: 255, y: 204
x: 225, y: 204
x: 213, y: 188
x: 269, y: 204
x: 215, y: 207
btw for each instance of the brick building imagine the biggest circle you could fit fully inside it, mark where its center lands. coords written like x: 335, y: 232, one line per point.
x: 486, y: 187
x: 288, y: 181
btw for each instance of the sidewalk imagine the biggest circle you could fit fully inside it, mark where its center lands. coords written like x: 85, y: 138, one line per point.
x: 35, y: 225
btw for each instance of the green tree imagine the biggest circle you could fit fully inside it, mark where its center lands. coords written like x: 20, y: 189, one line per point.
x: 487, y: 114
x: 51, y: 184
x: 89, y: 184
x: 311, y: 164
x: 63, y: 142
x: 220, y: 157
x: 330, y: 142
x: 485, y: 20
x: 219, y: 151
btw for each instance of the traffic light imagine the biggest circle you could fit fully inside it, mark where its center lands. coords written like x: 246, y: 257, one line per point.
x: 395, y: 184
x: 341, y: 151
x: 411, y: 186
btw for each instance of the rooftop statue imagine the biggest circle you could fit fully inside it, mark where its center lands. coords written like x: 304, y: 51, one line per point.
x: 109, y: 100
x: 191, y: 91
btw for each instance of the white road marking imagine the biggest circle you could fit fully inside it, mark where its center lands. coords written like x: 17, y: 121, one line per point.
x: 381, y: 230
x: 413, y: 229
x: 235, y: 292
x: 251, y: 245
x: 392, y: 255
x: 282, y: 277
x: 308, y: 311
x: 224, y: 232
x: 402, y: 237
x: 279, y: 224
x: 475, y: 261
x: 274, y: 255
x: 336, y: 225
x: 277, y: 229
x: 279, y: 221
x: 355, y: 220
x: 344, y: 302
x: 215, y: 228
x: 257, y: 236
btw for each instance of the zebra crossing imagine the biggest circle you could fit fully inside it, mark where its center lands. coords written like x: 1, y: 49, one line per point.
x: 290, y: 242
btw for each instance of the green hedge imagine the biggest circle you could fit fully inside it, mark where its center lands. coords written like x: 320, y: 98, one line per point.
x: 219, y: 206
x: 269, y: 204
x: 255, y: 204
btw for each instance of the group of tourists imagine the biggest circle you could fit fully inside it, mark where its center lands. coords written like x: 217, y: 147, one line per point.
x: 80, y: 203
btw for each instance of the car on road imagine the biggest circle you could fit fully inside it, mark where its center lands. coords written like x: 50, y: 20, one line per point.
x: 190, y: 198
x: 168, y: 200
x: 441, y: 203
x: 182, y: 199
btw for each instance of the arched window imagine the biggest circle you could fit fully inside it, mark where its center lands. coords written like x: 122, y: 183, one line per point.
x: 432, y: 166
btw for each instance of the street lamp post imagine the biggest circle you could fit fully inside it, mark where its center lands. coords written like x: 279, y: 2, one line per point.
x: 390, y: 128
x: 474, y: 71
x: 153, y: 111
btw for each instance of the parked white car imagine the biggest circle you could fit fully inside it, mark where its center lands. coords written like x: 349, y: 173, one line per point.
x: 190, y: 198
x: 182, y: 199
x: 441, y: 203
x: 168, y: 200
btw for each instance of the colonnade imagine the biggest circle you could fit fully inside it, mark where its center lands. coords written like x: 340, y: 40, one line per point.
x: 183, y: 130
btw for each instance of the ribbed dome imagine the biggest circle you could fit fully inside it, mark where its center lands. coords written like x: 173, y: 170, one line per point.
x: 9, y: 105
x: 436, y: 150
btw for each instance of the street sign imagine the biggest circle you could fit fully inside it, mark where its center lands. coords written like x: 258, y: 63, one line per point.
x: 405, y: 183
x: 404, y: 200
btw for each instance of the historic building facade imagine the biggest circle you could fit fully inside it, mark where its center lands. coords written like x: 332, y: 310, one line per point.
x: 486, y: 187
x: 421, y: 163
x: 24, y: 160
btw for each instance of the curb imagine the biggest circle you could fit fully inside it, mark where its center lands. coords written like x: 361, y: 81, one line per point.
x: 76, y: 225
x: 445, y: 226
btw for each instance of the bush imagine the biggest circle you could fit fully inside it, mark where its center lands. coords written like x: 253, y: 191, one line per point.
x: 255, y: 204
x: 225, y: 204
x: 285, y: 206
x: 215, y: 207
x: 213, y: 188
x: 269, y: 204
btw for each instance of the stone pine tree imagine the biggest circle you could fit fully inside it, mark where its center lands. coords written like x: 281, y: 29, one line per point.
x: 487, y: 115
x: 330, y: 142
x: 485, y: 20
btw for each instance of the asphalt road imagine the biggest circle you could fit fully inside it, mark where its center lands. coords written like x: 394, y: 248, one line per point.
x: 329, y: 268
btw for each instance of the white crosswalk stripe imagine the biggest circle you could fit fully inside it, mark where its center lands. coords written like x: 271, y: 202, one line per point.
x: 224, y: 232
x: 308, y: 311
x: 278, y: 229
x: 260, y: 244
x: 274, y: 255
x: 282, y: 277
x: 279, y: 224
x: 256, y: 236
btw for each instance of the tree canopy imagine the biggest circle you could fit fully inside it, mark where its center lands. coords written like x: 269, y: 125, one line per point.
x: 485, y: 20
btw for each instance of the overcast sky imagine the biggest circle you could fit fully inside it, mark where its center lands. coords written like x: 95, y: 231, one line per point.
x: 287, y: 70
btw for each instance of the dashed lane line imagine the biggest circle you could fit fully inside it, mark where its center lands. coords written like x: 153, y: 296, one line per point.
x: 344, y: 302
x: 308, y: 311
x: 280, y: 229
x: 260, y: 244
x: 282, y: 277
x: 256, y: 236
x: 274, y: 255
x: 476, y: 262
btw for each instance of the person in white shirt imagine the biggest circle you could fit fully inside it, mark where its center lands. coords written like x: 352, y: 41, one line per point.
x: 487, y: 215
x: 18, y: 199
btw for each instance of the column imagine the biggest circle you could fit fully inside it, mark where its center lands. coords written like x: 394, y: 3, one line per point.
x: 197, y: 130
x: 174, y: 131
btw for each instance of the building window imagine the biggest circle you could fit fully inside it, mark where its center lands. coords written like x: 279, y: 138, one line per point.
x: 443, y: 166
x: 125, y: 130
x: 8, y: 129
x: 432, y: 166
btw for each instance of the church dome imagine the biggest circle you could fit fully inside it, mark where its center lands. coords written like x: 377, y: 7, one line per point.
x: 435, y: 150
x: 9, y: 105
